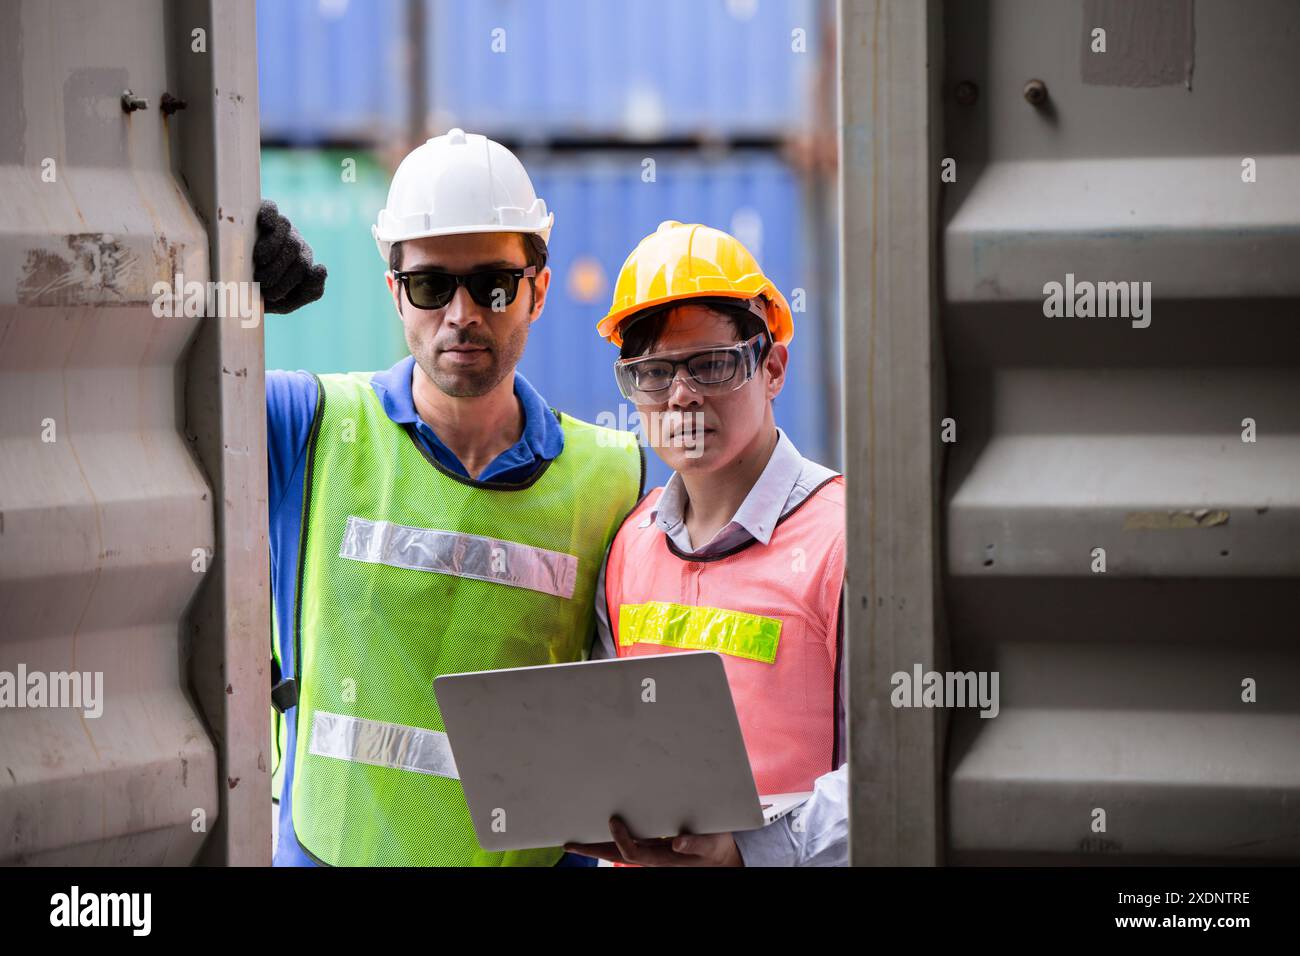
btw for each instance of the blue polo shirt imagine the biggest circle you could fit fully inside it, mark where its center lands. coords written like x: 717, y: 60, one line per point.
x: 290, y: 408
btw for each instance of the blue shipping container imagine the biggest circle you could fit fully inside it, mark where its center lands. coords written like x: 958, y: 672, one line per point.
x: 640, y: 69
x: 331, y: 70
x: 334, y: 70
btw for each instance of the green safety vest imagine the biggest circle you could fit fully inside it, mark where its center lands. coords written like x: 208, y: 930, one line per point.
x: 408, y: 571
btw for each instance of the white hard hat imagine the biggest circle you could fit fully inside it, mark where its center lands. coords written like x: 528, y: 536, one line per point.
x: 457, y: 183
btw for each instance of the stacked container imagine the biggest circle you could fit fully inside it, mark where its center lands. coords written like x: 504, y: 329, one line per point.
x: 625, y: 115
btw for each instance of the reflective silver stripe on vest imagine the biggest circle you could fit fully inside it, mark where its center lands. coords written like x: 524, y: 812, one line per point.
x: 381, y: 744
x: 464, y: 555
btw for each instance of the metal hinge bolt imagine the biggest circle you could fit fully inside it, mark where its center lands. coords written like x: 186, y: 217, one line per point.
x: 131, y: 102
x: 170, y: 104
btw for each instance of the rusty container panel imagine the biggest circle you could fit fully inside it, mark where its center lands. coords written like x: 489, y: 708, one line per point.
x: 107, y: 527
x: 1098, y: 507
x: 1123, y: 496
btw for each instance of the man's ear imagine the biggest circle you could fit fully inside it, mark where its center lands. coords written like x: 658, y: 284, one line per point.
x: 541, y: 285
x: 396, y: 291
x: 778, y: 357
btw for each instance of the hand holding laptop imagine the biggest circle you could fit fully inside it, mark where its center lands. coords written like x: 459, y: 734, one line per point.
x: 548, y: 755
x: 704, y: 849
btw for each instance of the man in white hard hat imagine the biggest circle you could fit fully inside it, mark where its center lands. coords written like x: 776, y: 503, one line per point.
x: 436, y: 517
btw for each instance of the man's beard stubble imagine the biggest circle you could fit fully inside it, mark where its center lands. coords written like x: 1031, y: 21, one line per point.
x: 471, y: 383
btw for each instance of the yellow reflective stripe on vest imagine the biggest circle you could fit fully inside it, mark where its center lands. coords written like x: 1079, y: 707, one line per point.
x: 737, y: 633
x: 460, y: 554
x: 382, y: 744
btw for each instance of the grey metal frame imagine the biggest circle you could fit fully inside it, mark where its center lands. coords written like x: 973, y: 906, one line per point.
x: 892, y: 373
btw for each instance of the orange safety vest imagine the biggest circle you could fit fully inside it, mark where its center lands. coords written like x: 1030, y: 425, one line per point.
x: 770, y: 611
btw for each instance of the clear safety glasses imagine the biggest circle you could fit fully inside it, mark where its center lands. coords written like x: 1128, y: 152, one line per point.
x: 648, y: 380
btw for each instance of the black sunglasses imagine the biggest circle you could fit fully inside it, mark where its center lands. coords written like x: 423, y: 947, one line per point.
x: 490, y: 288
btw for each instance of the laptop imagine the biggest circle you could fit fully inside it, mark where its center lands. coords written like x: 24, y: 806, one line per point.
x: 546, y: 755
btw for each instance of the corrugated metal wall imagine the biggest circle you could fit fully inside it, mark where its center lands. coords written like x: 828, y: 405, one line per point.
x: 645, y: 69
x: 1106, y: 541
x: 1123, y: 690
x: 1114, y: 550
x: 109, y: 486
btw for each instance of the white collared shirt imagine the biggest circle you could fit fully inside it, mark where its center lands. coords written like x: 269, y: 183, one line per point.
x: 787, y: 479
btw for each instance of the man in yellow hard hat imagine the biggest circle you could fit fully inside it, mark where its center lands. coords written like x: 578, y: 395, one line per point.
x: 742, y: 552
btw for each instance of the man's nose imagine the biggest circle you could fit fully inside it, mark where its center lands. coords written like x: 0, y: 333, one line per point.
x: 683, y: 393
x: 461, y: 310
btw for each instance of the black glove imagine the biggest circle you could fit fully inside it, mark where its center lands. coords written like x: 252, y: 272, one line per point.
x: 282, y: 263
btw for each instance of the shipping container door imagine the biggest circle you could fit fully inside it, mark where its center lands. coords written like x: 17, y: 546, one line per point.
x: 121, y: 443
x: 1070, y: 232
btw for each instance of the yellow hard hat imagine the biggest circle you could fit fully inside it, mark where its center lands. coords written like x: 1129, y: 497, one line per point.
x: 688, y: 261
